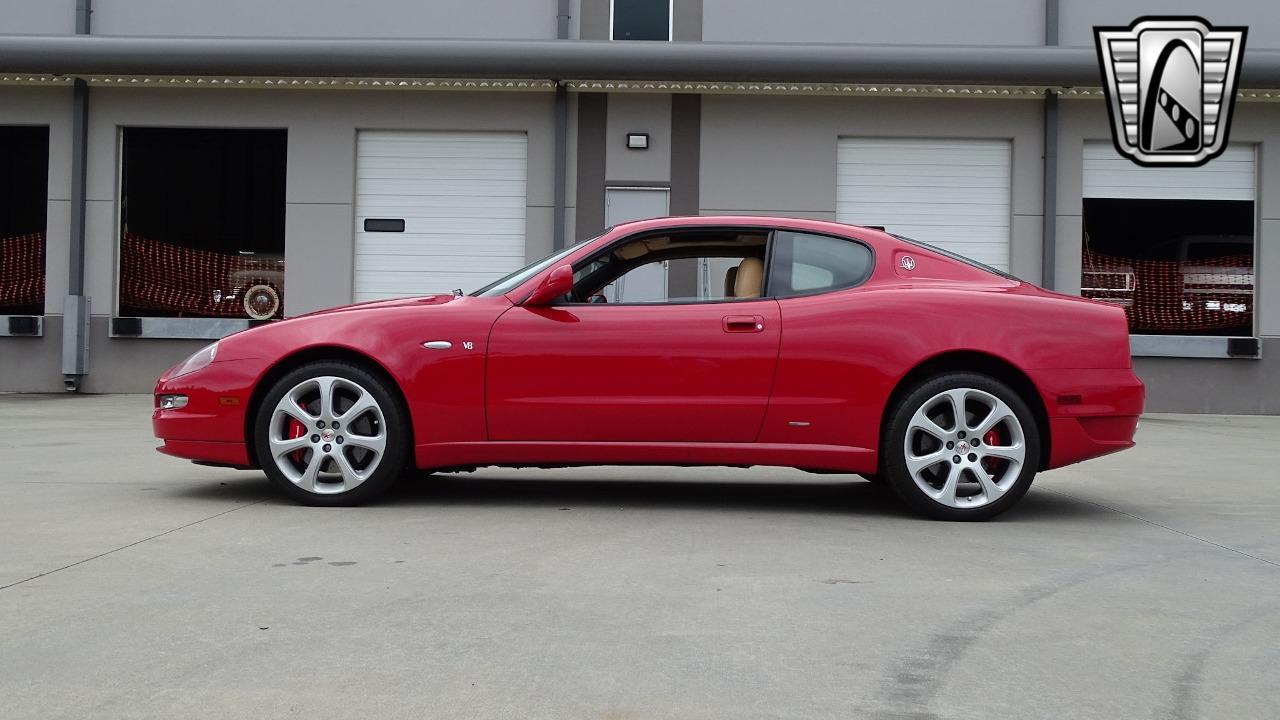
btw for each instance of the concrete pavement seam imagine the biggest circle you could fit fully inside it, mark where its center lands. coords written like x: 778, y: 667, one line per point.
x: 126, y: 547
x: 1156, y: 524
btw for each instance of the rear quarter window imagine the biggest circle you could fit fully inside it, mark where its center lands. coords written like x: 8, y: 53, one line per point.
x: 805, y: 263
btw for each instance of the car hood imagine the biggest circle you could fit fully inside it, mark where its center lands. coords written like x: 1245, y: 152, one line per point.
x: 441, y: 299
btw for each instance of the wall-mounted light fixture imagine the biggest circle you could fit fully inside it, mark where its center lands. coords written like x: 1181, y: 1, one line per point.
x: 637, y: 141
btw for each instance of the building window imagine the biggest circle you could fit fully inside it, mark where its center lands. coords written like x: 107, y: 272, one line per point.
x: 24, y: 188
x: 202, y: 223
x: 641, y: 19
x: 1173, y: 246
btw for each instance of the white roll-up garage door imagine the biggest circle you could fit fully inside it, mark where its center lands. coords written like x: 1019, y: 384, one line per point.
x: 951, y: 193
x: 461, y: 196
x: 1230, y: 176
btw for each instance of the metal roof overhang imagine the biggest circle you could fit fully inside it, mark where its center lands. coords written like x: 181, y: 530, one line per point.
x: 579, y: 60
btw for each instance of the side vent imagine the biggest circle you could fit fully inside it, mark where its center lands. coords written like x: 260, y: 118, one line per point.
x: 24, y: 325
x: 126, y: 327
x: 1246, y: 347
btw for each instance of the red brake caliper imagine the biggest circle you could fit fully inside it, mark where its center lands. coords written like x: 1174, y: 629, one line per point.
x: 296, y: 430
x: 991, y: 438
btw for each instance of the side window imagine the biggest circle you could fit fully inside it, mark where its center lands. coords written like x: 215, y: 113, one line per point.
x: 683, y: 267
x: 804, y: 263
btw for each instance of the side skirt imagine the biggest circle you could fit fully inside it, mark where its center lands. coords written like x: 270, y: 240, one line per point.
x: 480, y: 454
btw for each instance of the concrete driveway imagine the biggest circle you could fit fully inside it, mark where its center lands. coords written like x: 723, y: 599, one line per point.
x: 1142, y: 585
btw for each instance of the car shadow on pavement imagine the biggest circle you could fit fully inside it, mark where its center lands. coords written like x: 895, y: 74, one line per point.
x: 839, y: 496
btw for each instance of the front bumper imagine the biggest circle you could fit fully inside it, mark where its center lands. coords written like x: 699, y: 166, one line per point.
x: 210, y: 453
x: 212, y: 427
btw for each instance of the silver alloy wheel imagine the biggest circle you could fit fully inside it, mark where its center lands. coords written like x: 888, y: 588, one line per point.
x: 343, y: 435
x: 947, y: 452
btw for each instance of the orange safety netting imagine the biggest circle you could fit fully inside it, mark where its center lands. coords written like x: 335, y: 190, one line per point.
x: 1171, y: 295
x: 160, y: 276
x: 22, y: 270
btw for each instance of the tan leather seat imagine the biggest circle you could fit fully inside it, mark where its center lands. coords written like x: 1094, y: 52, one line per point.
x: 730, y: 280
x: 749, y: 282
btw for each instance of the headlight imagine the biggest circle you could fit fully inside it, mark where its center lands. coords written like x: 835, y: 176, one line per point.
x: 199, y: 361
x: 173, y: 402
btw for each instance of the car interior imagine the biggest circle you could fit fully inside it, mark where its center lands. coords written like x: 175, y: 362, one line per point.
x: 696, y: 266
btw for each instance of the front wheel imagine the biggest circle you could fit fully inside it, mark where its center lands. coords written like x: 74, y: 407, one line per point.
x: 961, y: 446
x: 331, y: 433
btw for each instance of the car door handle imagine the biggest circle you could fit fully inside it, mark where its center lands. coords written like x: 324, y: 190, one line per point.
x: 744, y: 323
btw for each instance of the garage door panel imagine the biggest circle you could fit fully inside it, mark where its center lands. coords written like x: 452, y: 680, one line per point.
x: 958, y: 214
x: 431, y: 205
x: 904, y: 193
x: 446, y: 226
x: 437, y: 246
x: 438, y: 187
x: 382, y: 163
x: 436, y: 174
x: 951, y: 193
x: 1231, y: 176
x: 463, y: 198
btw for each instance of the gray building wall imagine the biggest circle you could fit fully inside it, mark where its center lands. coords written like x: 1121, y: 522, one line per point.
x: 974, y: 22
x: 1237, y: 385
x: 36, y: 363
x: 750, y: 154
x: 319, y: 195
x: 1078, y: 17
x: 526, y: 19
x: 37, y: 17
x: 640, y: 113
x: 777, y: 155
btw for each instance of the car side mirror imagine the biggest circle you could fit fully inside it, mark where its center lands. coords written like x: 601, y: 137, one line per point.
x: 558, y: 283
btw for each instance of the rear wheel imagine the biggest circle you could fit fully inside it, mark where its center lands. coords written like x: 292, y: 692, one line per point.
x: 961, y: 446
x: 331, y: 433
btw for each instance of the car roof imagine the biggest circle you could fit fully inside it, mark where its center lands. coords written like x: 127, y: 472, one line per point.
x: 824, y: 226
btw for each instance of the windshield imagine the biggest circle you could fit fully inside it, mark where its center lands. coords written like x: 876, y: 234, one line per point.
x: 512, y: 281
x: 953, y: 256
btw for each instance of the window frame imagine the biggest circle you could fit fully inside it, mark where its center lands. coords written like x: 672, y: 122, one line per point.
x: 768, y: 244
x: 769, y: 260
x: 167, y: 327
x: 671, y: 23
x: 5, y: 317
x: 767, y: 291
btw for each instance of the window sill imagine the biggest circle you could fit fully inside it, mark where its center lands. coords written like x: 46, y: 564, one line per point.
x: 21, y: 326
x: 176, y: 328
x: 1195, y: 346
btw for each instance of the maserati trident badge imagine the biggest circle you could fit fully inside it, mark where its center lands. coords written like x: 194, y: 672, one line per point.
x: 1170, y: 85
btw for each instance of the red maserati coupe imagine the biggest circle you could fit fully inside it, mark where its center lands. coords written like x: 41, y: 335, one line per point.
x: 680, y: 341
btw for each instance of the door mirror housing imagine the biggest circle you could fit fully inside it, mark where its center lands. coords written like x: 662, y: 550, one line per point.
x: 558, y: 282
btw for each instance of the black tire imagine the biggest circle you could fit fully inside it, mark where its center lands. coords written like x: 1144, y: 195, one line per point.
x: 391, y: 464
x: 893, y: 464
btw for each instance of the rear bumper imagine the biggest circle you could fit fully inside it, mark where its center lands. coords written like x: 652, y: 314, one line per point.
x: 1076, y: 439
x: 1091, y: 412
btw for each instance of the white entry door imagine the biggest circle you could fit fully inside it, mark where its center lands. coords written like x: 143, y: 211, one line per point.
x: 649, y: 283
x: 437, y: 211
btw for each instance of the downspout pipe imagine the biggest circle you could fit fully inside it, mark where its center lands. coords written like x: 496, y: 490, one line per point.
x: 75, y: 309
x: 560, y: 173
x: 1049, y: 259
